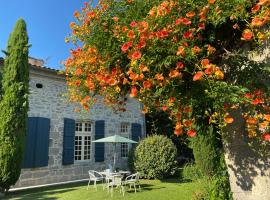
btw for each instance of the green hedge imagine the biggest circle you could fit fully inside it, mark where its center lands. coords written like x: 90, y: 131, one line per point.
x: 155, y: 157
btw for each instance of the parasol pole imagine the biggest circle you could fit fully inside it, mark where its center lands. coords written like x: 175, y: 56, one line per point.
x: 114, y: 157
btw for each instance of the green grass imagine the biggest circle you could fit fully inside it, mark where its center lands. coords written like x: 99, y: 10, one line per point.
x: 151, y: 190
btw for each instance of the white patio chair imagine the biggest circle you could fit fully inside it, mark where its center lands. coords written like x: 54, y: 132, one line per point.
x: 133, y: 180
x: 95, y: 177
x: 116, y: 181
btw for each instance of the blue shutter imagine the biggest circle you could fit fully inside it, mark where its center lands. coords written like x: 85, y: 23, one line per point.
x: 68, y: 141
x: 28, y: 161
x: 136, y: 131
x: 42, y: 142
x: 37, y: 143
x: 99, y: 147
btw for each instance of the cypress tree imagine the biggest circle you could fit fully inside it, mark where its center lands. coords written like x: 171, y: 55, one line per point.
x: 14, y: 106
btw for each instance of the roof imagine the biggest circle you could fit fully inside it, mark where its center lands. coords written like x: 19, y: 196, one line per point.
x: 38, y: 65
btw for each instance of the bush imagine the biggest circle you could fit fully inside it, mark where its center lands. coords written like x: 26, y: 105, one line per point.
x: 14, y: 106
x: 191, y: 172
x: 206, y: 152
x: 155, y: 157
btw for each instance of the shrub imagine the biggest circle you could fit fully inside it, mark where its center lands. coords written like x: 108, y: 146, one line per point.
x: 191, y: 172
x: 131, y: 160
x: 206, y: 152
x: 14, y: 106
x: 155, y: 157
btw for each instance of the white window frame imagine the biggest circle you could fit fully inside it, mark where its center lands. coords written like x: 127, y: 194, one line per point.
x: 125, y: 132
x: 83, y: 133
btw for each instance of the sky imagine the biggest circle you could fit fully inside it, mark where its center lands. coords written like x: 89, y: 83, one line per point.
x: 47, y: 24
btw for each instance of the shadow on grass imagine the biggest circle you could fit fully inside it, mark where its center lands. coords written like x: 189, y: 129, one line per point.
x: 43, y: 193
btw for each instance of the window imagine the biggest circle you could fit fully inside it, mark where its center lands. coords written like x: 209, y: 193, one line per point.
x: 124, y: 128
x: 124, y: 150
x: 83, y: 132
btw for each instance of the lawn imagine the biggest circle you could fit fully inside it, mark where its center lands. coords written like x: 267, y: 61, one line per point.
x: 151, y: 190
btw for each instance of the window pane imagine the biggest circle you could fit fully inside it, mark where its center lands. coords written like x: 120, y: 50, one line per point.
x: 78, y: 127
x: 87, y: 127
x: 124, y: 150
x: 87, y: 147
x: 77, y: 149
x: 124, y: 128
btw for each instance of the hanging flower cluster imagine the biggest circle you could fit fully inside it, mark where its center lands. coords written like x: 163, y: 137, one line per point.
x: 165, y: 55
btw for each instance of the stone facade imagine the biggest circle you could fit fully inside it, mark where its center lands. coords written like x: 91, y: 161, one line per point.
x: 249, y: 172
x: 50, y: 102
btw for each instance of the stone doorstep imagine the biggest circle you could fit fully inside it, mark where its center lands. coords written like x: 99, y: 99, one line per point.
x: 47, y: 185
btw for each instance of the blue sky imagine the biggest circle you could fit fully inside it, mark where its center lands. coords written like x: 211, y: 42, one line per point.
x: 47, y: 23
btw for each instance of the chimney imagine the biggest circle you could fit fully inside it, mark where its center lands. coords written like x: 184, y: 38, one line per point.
x: 36, y: 62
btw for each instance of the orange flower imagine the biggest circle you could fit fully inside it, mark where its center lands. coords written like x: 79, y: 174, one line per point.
x: 196, y: 49
x: 174, y: 74
x: 141, y: 44
x: 236, y: 26
x: 247, y: 35
x: 257, y: 21
x: 85, y: 100
x: 188, y: 123
x: 209, y: 70
x: 264, y: 124
x: 255, y: 8
x: 136, y: 55
x: 76, y: 14
x: 181, y: 51
x: 179, y: 65
x: 116, y: 19
x: 72, y: 24
x: 187, y: 109
x: 211, y: 49
x: 267, y: 117
x: 178, y: 125
x: 228, y: 119
x: 201, y: 26
x: 205, y: 62
x: 178, y: 132
x: 126, y: 46
x: 190, y: 14
x: 262, y: 2
x: 143, y: 68
x: 147, y: 84
x: 251, y: 121
x: 198, y: 76
x: 182, y: 20
x: 131, y: 34
x: 257, y: 101
x: 91, y: 15
x: 191, y: 133
x: 266, y: 137
x: 133, y: 92
x: 124, y: 28
x: 164, y: 108
x: 219, y: 74
x: 133, y: 24
x: 159, y: 77
x: 188, y: 34
x: 211, y: 1
x: 249, y: 95
x: 171, y: 99
x: 78, y: 72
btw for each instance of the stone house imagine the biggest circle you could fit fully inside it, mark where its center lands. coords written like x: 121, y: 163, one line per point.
x: 58, y: 144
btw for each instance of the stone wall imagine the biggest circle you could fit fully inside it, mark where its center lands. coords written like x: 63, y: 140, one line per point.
x: 50, y: 102
x: 248, y: 170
